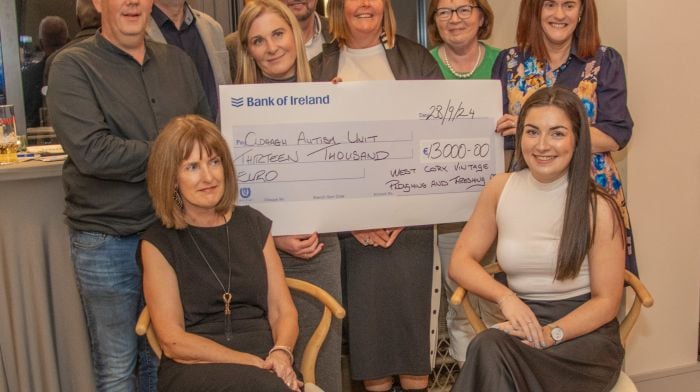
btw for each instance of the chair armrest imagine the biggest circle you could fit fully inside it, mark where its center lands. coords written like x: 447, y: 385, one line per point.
x: 458, y: 296
x: 493, y: 268
x: 318, y: 293
x: 145, y: 328
x: 642, y: 297
x: 143, y: 322
x: 308, y: 361
x: 639, y: 289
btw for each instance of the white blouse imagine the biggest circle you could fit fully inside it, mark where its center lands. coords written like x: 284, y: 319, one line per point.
x: 530, y: 217
x: 364, y: 64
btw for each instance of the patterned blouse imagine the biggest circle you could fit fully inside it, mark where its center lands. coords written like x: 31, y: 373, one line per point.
x: 600, y: 83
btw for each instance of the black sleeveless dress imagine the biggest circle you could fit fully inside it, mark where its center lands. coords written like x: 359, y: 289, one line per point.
x: 203, y: 305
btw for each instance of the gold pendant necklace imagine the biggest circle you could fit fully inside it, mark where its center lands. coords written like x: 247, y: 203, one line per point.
x: 227, y: 297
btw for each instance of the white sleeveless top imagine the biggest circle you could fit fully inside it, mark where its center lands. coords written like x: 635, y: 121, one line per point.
x: 364, y: 64
x: 530, y: 217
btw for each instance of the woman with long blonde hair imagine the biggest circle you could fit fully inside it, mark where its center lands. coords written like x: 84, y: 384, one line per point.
x: 271, y: 50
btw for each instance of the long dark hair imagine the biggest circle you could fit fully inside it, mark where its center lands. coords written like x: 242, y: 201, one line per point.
x: 582, y: 192
x: 530, y: 36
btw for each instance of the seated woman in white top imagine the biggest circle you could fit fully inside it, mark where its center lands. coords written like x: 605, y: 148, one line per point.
x: 560, y: 244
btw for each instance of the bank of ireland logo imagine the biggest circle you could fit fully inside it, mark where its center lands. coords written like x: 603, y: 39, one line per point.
x: 237, y: 102
x: 245, y: 192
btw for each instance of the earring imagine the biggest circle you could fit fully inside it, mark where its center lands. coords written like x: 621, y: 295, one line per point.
x: 383, y: 38
x: 579, y: 19
x: 178, y: 199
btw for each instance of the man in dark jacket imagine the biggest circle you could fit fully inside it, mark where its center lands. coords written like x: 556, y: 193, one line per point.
x: 109, y: 96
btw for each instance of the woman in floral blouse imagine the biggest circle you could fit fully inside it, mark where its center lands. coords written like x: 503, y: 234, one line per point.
x: 559, y: 45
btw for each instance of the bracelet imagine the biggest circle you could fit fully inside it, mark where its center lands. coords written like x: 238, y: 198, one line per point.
x: 286, y: 349
x: 505, y: 297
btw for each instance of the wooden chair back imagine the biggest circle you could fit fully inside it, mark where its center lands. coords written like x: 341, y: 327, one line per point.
x: 641, y: 297
x: 308, y: 361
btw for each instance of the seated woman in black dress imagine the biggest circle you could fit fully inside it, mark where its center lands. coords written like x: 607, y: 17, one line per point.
x: 560, y: 242
x: 213, y: 280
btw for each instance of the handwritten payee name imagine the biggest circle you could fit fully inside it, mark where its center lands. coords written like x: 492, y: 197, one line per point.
x: 252, y: 139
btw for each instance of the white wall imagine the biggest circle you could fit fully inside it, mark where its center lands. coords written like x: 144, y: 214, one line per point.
x: 505, y: 19
x: 659, y: 43
x: 664, y: 178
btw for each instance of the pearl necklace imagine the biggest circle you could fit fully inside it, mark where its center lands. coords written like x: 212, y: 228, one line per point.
x: 462, y: 75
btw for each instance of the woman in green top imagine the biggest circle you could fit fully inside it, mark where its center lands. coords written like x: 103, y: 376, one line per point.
x: 455, y: 28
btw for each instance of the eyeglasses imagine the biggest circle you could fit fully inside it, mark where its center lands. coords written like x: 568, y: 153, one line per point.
x: 462, y: 12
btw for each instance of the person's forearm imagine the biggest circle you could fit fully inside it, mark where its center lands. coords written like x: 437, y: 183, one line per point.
x: 188, y: 348
x: 285, y: 329
x: 588, y: 317
x: 602, y: 142
x: 109, y: 157
x: 470, y: 275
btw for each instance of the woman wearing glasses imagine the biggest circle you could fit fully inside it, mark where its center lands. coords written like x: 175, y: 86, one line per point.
x: 455, y: 28
x: 559, y: 45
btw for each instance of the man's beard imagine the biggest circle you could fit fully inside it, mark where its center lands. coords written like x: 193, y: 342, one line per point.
x: 303, y: 17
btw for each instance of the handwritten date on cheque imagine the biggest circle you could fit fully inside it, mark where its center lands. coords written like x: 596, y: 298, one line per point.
x: 447, y: 113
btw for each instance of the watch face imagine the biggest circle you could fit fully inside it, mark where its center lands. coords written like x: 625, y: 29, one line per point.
x: 557, y: 334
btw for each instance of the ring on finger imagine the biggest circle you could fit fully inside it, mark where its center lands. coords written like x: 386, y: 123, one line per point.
x: 366, y: 241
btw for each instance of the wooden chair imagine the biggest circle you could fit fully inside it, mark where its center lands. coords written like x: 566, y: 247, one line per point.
x: 308, y: 361
x: 642, y: 297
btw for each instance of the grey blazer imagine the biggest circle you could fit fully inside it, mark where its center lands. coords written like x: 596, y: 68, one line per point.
x: 213, y: 39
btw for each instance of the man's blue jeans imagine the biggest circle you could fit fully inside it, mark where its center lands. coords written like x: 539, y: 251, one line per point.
x: 109, y: 282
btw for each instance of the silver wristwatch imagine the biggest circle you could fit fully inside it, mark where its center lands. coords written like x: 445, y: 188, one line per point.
x: 556, y: 333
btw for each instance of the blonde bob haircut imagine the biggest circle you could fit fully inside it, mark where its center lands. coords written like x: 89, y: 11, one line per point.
x: 340, y: 31
x: 175, y: 144
x: 248, y: 71
x: 484, y: 31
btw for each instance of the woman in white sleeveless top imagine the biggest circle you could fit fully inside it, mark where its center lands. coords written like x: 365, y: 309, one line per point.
x: 560, y: 244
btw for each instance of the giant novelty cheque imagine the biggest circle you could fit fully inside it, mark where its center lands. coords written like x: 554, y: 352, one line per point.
x: 356, y: 155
